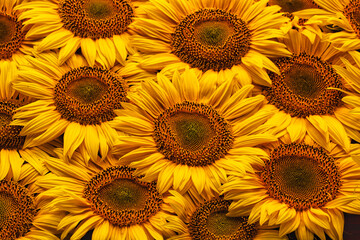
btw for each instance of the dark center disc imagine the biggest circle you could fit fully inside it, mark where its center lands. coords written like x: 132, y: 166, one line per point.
x: 96, y: 18
x: 100, y: 9
x: 302, y: 89
x: 121, y: 198
x: 301, y: 176
x: 209, y: 221
x: 87, y: 90
x: 192, y: 134
x: 17, y: 210
x: 211, y: 39
x: 89, y: 95
x: 11, y: 35
x: 122, y: 194
x: 304, y: 81
x: 192, y: 131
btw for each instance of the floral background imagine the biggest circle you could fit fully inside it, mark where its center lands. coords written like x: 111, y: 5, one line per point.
x: 179, y: 119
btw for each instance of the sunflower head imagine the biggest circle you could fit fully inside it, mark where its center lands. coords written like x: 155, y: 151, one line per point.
x: 121, y: 198
x: 211, y: 39
x: 302, y: 88
x: 209, y: 221
x: 96, y: 18
x: 89, y: 95
x: 301, y: 176
x: 192, y: 134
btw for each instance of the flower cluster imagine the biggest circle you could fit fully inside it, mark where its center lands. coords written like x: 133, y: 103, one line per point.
x: 179, y: 119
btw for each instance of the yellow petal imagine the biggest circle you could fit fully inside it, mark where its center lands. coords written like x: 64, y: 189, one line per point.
x: 69, y: 49
x: 102, y: 232
x: 86, y: 226
x: 55, y: 40
x: 290, y: 226
x: 5, y: 163
x: 296, y: 129
x: 92, y: 141
x: 88, y: 49
x: 73, y: 137
x: 318, y: 130
x: 165, y: 178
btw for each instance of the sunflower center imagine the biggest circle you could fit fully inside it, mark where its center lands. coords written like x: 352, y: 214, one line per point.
x: 5, y: 119
x: 87, y: 90
x: 124, y: 194
x: 11, y: 35
x: 213, y: 33
x: 89, y: 95
x: 211, y: 39
x: 301, y: 176
x: 17, y: 210
x: 7, y: 206
x: 304, y: 81
x: 121, y: 198
x: 302, y: 88
x: 352, y: 13
x: 100, y: 8
x: 96, y: 18
x: 192, y: 131
x: 219, y: 224
x: 293, y: 5
x: 192, y: 134
x: 9, y: 135
x: 209, y: 221
x: 6, y: 29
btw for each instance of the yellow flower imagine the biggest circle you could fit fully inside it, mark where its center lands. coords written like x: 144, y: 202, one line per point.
x: 186, y: 132
x: 22, y: 212
x: 217, y: 38
x: 75, y: 100
x: 308, y: 93
x: 99, y: 27
x: 105, y: 198
x: 13, y: 46
x: 340, y: 15
x: 200, y: 219
x: 13, y: 153
x: 350, y: 114
x: 302, y: 188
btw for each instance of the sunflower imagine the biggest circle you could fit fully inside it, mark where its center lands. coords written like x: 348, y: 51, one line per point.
x: 13, y: 153
x: 198, y: 219
x: 187, y: 133
x: 22, y: 212
x: 99, y: 27
x: 341, y: 16
x: 301, y: 187
x: 219, y: 38
x: 351, y: 114
x: 75, y: 100
x: 308, y: 93
x: 13, y: 45
x: 106, y: 198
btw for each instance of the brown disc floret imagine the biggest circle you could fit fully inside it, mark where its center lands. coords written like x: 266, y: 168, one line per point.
x: 301, y: 176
